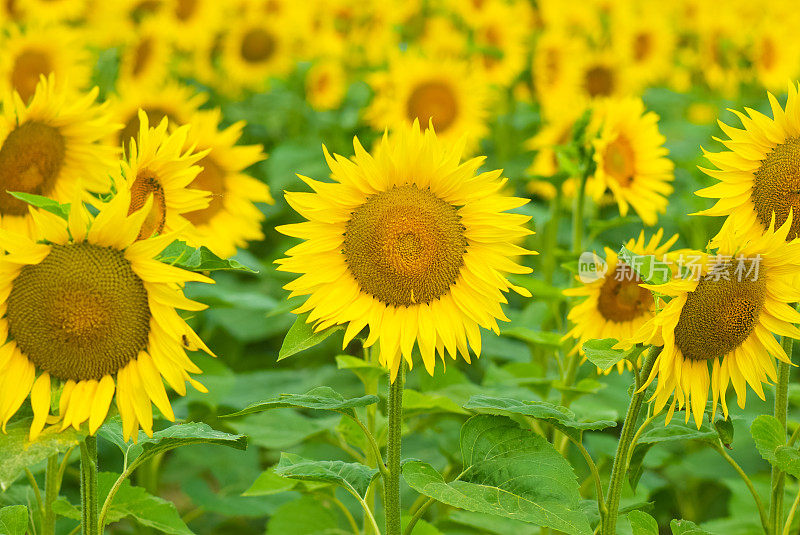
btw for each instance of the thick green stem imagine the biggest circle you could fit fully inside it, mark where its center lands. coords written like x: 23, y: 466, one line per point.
x: 89, y: 503
x: 391, y: 501
x: 52, y: 487
x: 781, y: 407
x: 609, y: 520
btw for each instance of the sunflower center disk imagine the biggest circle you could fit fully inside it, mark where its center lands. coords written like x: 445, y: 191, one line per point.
x: 405, y: 246
x: 621, y: 298
x: 142, y: 56
x: 433, y: 101
x: 257, y: 46
x: 81, y: 313
x: 145, y: 185
x: 720, y: 314
x: 620, y: 161
x: 599, y: 81
x: 30, y: 160
x: 211, y: 178
x: 776, y: 186
x: 28, y: 66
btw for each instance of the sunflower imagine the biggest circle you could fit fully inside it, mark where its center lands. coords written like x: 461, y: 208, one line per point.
x: 445, y: 92
x: 193, y: 22
x: 500, y: 37
x: 776, y: 56
x: 51, y: 10
x: 545, y: 162
x: 41, y: 50
x: 631, y: 159
x: 176, y: 102
x: 615, y: 306
x: 87, y: 308
x: 51, y: 147
x: 556, y: 73
x: 410, y: 242
x: 644, y: 42
x: 161, y: 165
x: 326, y: 84
x: 230, y: 219
x: 145, y: 58
x: 759, y: 177
x: 729, y: 316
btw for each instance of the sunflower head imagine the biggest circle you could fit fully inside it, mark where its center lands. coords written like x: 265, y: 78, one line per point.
x: 401, y: 237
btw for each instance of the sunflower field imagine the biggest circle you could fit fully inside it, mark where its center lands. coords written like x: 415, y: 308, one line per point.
x: 399, y: 267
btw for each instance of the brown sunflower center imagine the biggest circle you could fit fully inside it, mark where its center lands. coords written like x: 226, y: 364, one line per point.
x: 257, y: 45
x: 720, y: 314
x: 621, y: 298
x: 131, y: 129
x: 619, y: 161
x: 405, y: 246
x: 768, y: 52
x: 642, y: 46
x: 433, y: 101
x: 28, y: 67
x: 81, y: 313
x: 776, y: 186
x: 211, y: 178
x: 185, y: 9
x: 30, y: 160
x: 145, y: 185
x: 599, y: 81
x: 141, y: 56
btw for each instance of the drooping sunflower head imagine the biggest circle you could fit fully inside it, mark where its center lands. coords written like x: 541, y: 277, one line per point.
x: 51, y: 147
x: 40, y: 50
x: 416, y: 88
x: 725, y: 317
x: 160, y: 167
x: 410, y: 242
x: 615, y: 305
x: 231, y: 217
x: 760, y: 174
x: 631, y: 158
x: 86, y: 308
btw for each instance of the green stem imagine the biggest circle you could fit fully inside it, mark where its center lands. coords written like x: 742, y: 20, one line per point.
x: 609, y: 520
x: 89, y: 504
x: 601, y: 506
x: 792, y: 511
x: 759, y: 504
x: 52, y: 487
x: 781, y: 407
x: 417, y: 515
x: 577, y: 215
x: 391, y: 502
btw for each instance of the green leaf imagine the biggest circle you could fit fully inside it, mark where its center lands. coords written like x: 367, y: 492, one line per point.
x: 14, y: 520
x: 642, y: 523
x: 269, y: 483
x: 649, y: 269
x: 321, y: 398
x: 533, y: 337
x: 560, y: 417
x: 354, y: 477
x: 170, y: 438
x: 678, y: 431
x: 366, y: 371
x: 725, y: 430
x: 510, y: 472
x: 45, y: 203
x: 282, y: 430
x: 601, y: 352
x: 788, y: 460
x: 685, y: 527
x: 131, y: 502
x: 301, y: 336
x: 415, y: 402
x: 17, y: 453
x: 180, y: 255
x: 306, y: 516
x: 768, y: 434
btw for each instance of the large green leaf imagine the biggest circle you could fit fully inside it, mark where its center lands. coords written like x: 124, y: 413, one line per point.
x: 321, y: 398
x: 301, y: 336
x: 306, y: 516
x: 131, y: 502
x: 602, y: 354
x: 677, y: 431
x: 768, y: 434
x: 170, y: 438
x: 17, y: 452
x: 354, y: 477
x: 509, y: 472
x: 415, y: 402
x: 198, y: 259
x: 788, y: 460
x: 560, y: 417
x: 14, y: 520
x: 269, y: 483
x: 642, y: 523
x: 685, y: 527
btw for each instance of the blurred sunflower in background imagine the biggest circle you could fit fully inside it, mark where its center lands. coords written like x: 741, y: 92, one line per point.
x: 88, y: 309
x: 409, y: 241
x: 52, y: 147
x: 726, y: 316
x: 615, y: 305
